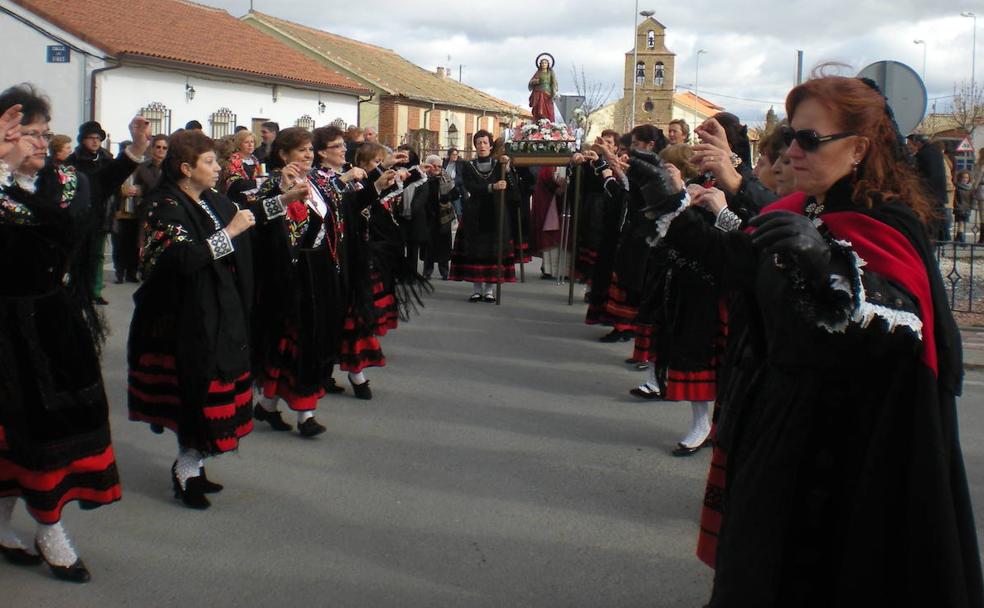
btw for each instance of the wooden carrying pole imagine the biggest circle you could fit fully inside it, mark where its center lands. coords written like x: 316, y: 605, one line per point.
x: 519, y: 234
x: 501, y: 216
x: 573, y: 239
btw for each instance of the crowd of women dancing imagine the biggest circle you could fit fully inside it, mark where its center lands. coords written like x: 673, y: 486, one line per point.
x: 247, y: 284
x: 800, y: 297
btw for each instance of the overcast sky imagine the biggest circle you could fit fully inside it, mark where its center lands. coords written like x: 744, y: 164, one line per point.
x: 751, y: 46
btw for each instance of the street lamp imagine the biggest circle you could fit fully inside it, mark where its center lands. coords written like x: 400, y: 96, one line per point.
x: 923, y: 43
x: 973, y: 52
x: 635, y: 53
x: 696, y: 83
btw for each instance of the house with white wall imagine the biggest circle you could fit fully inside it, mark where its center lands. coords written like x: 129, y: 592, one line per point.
x: 171, y: 61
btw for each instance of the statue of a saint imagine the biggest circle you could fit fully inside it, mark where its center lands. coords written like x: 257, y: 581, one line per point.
x: 543, y: 88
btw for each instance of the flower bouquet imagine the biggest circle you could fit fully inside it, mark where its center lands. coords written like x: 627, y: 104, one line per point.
x: 542, y: 137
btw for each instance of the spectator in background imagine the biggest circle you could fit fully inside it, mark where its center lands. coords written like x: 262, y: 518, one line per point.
x: 124, y: 229
x: 193, y: 125
x: 146, y: 179
x: 59, y: 149
x: 452, y: 166
x: 370, y: 136
x: 932, y: 170
x: 951, y: 190
x: 268, y: 133
x: 678, y: 132
x: 963, y: 203
x: 977, y: 177
x: 240, y: 128
x: 89, y: 158
x: 354, y: 137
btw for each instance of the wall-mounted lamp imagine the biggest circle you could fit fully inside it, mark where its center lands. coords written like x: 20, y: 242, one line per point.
x: 189, y: 92
x: 321, y: 107
x: 276, y: 92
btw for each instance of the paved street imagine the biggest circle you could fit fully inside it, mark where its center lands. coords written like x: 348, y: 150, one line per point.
x: 502, y: 463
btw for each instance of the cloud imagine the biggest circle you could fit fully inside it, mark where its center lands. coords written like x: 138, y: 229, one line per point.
x: 751, y: 46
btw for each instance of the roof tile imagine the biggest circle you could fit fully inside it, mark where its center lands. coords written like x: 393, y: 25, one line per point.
x: 185, y: 32
x: 386, y: 70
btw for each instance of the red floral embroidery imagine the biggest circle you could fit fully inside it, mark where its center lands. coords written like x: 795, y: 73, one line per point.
x: 297, y: 211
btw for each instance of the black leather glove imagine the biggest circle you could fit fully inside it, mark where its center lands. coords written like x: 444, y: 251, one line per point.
x: 791, y: 238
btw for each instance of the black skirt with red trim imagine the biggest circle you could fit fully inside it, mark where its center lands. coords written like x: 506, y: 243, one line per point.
x: 712, y: 511
x: 386, y: 306
x: 643, y: 346
x: 622, y: 308
x: 697, y: 384
x: 280, y: 377
x: 482, y: 270
x: 213, y: 426
x: 93, y: 479
x: 360, y: 347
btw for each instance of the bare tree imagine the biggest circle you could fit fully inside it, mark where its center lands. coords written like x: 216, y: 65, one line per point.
x: 968, y: 106
x: 595, y: 94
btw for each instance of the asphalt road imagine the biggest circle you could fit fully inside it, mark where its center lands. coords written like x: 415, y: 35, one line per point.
x: 501, y: 463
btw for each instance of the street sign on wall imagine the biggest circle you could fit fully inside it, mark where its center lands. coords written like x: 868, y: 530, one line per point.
x: 59, y: 53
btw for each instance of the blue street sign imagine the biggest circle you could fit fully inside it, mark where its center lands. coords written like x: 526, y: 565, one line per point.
x: 59, y: 53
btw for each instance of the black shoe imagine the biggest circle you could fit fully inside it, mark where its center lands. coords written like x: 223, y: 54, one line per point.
x: 475, y: 297
x: 642, y: 366
x: 616, y: 336
x: 272, y: 418
x: 683, y: 451
x: 632, y: 361
x: 310, y: 428
x: 157, y: 429
x: 443, y: 271
x: 546, y: 276
x: 76, y: 573
x: 331, y: 387
x: 428, y: 274
x: 193, y: 494
x: 361, y: 391
x: 101, y: 301
x: 209, y: 486
x: 489, y: 298
x: 647, y: 395
x: 119, y: 278
x: 20, y: 557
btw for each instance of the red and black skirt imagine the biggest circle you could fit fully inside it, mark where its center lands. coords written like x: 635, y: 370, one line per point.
x: 643, y: 346
x: 712, y: 511
x: 280, y: 378
x: 386, y: 307
x: 360, y: 347
x: 620, y: 308
x: 93, y: 479
x: 698, y: 384
x: 482, y: 270
x: 213, y: 426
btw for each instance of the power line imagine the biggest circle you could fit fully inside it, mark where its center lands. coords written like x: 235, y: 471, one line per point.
x: 764, y: 101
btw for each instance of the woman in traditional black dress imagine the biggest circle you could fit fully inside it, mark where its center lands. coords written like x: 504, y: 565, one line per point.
x: 55, y: 442
x: 845, y: 482
x: 188, y: 350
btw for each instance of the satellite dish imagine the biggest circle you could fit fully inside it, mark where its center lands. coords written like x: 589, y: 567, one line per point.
x: 904, y: 90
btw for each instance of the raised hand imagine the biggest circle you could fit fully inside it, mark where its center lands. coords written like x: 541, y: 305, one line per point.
x: 10, y: 134
x: 711, y: 132
x: 139, y: 136
x: 353, y: 174
x: 241, y: 222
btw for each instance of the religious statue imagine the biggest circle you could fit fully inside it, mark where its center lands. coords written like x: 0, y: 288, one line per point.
x: 543, y: 87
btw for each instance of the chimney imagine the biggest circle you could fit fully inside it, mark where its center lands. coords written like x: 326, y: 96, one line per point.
x: 441, y: 73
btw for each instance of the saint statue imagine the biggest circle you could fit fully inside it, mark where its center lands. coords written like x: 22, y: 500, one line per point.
x: 543, y: 88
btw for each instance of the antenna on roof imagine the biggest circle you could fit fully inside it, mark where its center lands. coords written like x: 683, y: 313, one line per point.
x: 251, y: 6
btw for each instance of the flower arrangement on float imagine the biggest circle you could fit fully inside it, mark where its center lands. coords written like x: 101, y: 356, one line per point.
x: 541, y: 137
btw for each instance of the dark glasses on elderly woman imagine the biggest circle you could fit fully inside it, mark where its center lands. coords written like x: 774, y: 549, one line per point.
x: 808, y: 139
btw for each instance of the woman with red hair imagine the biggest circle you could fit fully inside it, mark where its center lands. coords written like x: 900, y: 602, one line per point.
x: 845, y: 482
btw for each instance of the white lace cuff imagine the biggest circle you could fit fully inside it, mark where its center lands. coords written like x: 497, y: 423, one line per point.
x: 220, y: 244
x: 274, y: 207
x: 727, y: 220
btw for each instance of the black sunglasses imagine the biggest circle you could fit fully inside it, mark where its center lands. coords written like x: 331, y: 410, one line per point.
x: 808, y: 139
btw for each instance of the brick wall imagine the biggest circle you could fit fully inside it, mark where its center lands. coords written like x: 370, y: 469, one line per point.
x: 387, y: 123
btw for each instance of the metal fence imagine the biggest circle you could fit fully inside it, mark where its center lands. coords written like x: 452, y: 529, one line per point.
x: 964, y: 282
